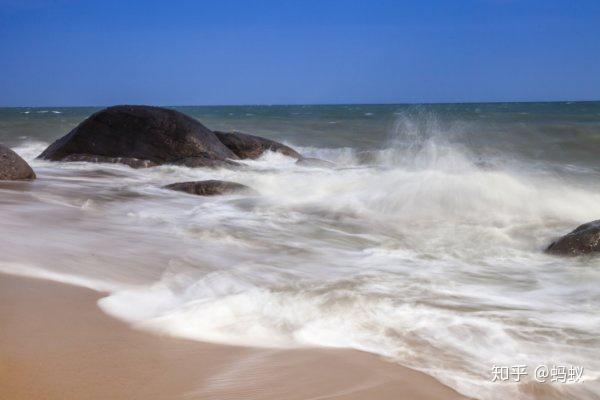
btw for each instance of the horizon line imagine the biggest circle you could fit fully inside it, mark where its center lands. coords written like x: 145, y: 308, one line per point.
x: 312, y: 104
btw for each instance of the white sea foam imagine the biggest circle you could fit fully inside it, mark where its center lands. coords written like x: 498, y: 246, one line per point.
x: 32, y: 271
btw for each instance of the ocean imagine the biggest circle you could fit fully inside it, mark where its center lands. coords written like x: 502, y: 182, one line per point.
x: 424, y: 244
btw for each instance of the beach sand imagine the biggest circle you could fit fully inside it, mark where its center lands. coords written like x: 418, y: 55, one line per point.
x: 55, y: 343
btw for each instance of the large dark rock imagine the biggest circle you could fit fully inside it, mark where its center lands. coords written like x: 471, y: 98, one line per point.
x: 13, y: 167
x: 210, y: 188
x: 585, y: 239
x: 250, y: 146
x: 136, y: 135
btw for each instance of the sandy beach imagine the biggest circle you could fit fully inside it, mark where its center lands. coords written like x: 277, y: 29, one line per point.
x: 55, y: 343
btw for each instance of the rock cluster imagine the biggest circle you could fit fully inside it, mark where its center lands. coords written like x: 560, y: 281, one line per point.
x: 145, y: 136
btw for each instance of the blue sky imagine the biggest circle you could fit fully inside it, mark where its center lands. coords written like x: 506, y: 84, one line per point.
x: 290, y: 52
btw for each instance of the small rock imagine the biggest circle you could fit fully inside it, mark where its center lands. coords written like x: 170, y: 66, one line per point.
x: 211, y: 188
x: 13, y: 167
x: 585, y: 239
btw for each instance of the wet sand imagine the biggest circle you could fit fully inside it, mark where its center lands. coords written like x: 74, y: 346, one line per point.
x: 55, y: 343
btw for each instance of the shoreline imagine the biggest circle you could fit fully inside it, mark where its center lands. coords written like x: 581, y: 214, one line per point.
x: 56, y: 343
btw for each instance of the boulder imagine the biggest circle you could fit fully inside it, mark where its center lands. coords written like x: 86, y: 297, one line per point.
x: 584, y: 239
x: 314, y: 162
x: 138, y: 136
x: 13, y: 167
x: 249, y: 146
x: 210, y: 188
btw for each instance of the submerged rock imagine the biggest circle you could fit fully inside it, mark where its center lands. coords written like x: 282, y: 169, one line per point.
x: 249, y: 146
x: 485, y: 165
x: 13, y: 167
x: 315, y: 162
x: 138, y: 136
x: 210, y: 188
x: 584, y: 239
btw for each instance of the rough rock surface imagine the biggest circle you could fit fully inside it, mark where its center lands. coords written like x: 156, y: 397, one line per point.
x: 584, y: 239
x: 210, y: 188
x: 13, y: 167
x: 145, y: 134
x: 249, y: 146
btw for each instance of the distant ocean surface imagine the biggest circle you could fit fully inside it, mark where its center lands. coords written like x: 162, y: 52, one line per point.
x: 424, y: 244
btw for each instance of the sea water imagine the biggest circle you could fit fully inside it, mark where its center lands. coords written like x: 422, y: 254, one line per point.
x: 424, y: 244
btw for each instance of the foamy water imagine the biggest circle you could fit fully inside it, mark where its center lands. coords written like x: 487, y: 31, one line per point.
x: 426, y: 249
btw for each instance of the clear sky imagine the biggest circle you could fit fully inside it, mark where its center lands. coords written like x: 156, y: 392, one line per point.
x: 297, y: 51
